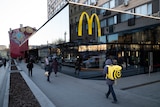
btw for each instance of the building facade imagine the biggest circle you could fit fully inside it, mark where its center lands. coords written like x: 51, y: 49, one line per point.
x: 128, y: 31
x: 53, y: 6
x: 132, y: 38
x: 4, y: 52
x: 19, y: 41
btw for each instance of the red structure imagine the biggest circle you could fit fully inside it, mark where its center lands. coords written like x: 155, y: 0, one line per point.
x: 18, y: 41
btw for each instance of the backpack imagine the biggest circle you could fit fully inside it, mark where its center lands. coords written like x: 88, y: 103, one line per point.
x: 30, y: 65
x: 114, y: 72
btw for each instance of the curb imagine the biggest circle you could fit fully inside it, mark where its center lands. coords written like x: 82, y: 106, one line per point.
x: 41, y: 97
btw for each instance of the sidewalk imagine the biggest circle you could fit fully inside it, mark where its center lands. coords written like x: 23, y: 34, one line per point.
x: 3, y: 79
x: 68, y: 91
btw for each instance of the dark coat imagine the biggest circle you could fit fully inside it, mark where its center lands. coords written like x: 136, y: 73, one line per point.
x: 48, y: 68
x: 55, y: 65
x: 30, y: 65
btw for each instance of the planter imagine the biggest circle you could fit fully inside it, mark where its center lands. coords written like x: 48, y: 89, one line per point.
x: 20, y: 94
x: 14, y: 68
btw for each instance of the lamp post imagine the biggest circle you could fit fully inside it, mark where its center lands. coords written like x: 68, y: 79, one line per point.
x: 49, y: 48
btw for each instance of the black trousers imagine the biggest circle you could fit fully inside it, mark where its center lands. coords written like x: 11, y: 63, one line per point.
x: 48, y: 77
x: 111, y: 90
x: 30, y: 72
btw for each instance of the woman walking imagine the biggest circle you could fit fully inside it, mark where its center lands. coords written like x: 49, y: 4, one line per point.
x: 55, y: 66
x: 48, y: 68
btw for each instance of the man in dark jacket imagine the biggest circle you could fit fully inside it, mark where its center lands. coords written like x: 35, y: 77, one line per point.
x: 30, y: 67
x: 109, y: 81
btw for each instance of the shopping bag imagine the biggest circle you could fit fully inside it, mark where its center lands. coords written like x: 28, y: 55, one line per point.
x: 46, y: 73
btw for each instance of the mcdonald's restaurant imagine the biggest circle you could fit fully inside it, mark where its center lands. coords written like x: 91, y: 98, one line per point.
x: 92, y: 33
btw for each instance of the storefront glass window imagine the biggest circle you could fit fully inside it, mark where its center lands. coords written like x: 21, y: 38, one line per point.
x: 132, y: 40
x: 112, y: 38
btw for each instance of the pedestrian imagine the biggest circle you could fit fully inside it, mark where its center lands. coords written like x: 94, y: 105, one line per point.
x: 55, y: 66
x: 77, y: 66
x: 59, y: 64
x: 30, y: 67
x: 109, y: 81
x: 4, y: 62
x: 48, y: 68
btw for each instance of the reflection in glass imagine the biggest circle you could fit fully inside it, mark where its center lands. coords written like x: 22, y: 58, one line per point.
x: 55, y: 29
x: 127, y: 36
x: 130, y: 36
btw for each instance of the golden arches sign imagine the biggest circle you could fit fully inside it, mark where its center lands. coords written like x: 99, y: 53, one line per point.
x: 90, y: 21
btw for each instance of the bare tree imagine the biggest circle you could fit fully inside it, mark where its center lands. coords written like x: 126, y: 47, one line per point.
x: 59, y: 41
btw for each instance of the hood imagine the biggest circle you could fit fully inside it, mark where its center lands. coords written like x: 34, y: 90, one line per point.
x: 108, y: 62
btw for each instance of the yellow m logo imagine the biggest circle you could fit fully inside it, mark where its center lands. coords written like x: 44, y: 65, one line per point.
x: 90, y: 21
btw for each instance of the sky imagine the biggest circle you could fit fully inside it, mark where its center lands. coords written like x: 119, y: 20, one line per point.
x: 53, y: 30
x: 31, y: 13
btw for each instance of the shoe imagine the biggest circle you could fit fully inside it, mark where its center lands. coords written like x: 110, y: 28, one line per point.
x: 114, y: 102
x: 106, y: 95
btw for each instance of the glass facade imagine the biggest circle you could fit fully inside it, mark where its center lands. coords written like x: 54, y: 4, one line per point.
x: 133, y: 40
x: 55, y: 29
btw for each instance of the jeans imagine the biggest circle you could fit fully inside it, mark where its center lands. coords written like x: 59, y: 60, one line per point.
x: 111, y: 90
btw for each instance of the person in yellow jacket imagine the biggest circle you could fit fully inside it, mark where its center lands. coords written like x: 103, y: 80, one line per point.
x: 110, y: 82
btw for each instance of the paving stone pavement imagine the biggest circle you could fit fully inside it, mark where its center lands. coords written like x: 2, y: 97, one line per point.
x: 69, y: 91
